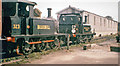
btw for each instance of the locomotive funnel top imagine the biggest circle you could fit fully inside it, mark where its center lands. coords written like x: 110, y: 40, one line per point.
x: 49, y: 12
x: 23, y: 1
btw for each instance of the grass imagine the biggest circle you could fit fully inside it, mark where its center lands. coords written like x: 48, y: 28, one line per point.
x: 102, y: 39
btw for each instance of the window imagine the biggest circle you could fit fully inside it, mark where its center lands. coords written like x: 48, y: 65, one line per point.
x: 111, y: 23
x: 23, y: 10
x: 71, y: 19
x: 63, y: 19
x: 108, y: 23
x: 79, y: 19
x: 100, y: 21
x: 85, y: 19
x: 27, y: 8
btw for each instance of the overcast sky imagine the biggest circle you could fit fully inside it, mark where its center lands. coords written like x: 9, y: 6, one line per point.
x: 100, y: 7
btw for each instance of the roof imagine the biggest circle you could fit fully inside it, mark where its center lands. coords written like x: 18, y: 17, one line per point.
x: 24, y: 1
x: 79, y: 10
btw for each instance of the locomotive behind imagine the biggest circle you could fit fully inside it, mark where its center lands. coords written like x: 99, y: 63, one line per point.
x: 72, y: 24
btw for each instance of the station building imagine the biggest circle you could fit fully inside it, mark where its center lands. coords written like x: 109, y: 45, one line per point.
x: 99, y: 24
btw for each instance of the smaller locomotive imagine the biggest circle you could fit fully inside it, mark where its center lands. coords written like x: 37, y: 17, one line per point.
x: 72, y: 24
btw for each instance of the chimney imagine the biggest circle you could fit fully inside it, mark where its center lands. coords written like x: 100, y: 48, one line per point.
x: 49, y: 12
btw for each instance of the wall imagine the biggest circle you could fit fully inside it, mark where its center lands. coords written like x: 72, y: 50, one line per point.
x: 100, y: 25
x: 69, y: 10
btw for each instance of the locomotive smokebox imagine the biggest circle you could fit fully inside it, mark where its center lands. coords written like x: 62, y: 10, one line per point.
x: 49, y: 12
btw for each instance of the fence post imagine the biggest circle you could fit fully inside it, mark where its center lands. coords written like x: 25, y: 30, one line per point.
x: 68, y: 42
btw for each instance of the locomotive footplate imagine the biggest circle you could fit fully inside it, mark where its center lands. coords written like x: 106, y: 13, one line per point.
x: 38, y: 36
x: 81, y: 38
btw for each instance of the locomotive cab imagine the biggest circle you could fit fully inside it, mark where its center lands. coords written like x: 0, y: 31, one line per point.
x: 70, y: 23
x: 15, y: 15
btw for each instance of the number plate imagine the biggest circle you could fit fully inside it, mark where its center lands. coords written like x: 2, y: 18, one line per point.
x: 86, y: 28
x: 16, y: 26
x: 43, y: 27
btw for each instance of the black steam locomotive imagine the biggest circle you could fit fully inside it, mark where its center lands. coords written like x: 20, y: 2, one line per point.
x: 23, y: 33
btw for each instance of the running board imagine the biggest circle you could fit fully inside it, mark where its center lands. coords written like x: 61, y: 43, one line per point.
x: 38, y: 42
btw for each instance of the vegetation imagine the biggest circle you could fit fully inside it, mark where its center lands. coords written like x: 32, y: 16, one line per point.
x: 37, y: 55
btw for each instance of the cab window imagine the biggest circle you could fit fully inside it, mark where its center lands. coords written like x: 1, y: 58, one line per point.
x: 23, y: 10
x: 63, y: 19
x: 71, y: 19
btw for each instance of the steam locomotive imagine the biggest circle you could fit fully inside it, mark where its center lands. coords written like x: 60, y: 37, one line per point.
x: 71, y: 23
x: 24, y: 33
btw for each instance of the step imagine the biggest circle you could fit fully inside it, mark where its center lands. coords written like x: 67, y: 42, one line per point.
x: 115, y: 47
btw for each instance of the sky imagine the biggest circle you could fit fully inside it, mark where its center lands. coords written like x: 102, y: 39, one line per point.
x: 100, y: 7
